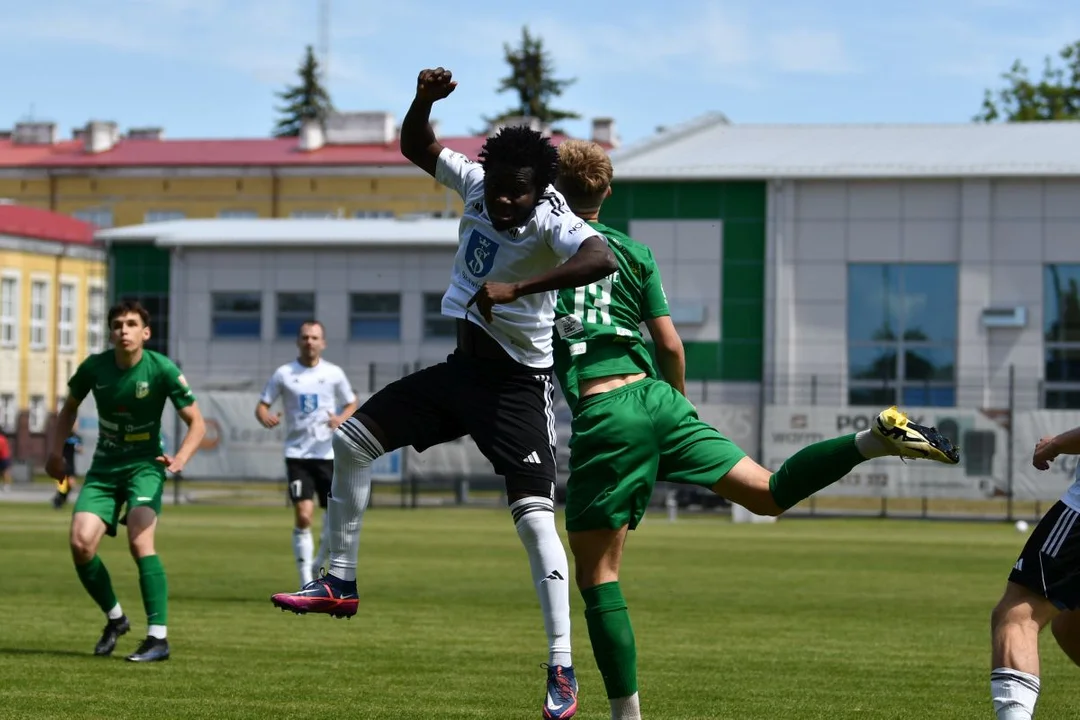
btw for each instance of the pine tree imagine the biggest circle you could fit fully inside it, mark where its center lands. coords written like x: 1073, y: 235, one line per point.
x: 532, y: 77
x: 307, y: 100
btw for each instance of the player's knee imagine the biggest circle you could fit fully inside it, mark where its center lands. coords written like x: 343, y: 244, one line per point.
x: 83, y: 547
x: 1010, y: 611
x: 354, y: 453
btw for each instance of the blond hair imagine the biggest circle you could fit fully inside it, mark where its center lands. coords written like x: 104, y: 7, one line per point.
x: 585, y: 173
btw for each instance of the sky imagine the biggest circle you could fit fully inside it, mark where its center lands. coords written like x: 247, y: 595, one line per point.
x: 210, y: 68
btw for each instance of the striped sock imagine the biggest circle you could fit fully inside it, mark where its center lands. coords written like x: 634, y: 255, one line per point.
x: 354, y: 450
x: 534, y: 519
x: 1014, y: 693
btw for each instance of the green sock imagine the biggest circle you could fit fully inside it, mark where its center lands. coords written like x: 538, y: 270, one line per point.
x: 155, y: 589
x: 813, y: 468
x: 95, y: 578
x: 612, y: 638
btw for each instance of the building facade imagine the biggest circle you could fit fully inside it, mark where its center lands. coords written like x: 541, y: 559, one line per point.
x: 234, y: 293
x: 921, y: 265
x: 351, y: 168
x: 52, y: 314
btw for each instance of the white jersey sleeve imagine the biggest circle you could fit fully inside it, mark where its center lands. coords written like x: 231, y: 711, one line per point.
x: 272, y: 389
x: 458, y: 173
x: 564, y: 232
x: 343, y: 390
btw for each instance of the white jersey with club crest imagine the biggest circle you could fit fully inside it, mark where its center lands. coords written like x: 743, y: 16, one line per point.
x: 551, y: 235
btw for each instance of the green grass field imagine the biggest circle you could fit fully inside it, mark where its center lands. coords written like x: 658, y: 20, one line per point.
x: 802, y: 619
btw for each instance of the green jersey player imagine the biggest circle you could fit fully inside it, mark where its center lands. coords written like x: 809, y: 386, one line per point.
x: 630, y: 428
x: 130, y: 386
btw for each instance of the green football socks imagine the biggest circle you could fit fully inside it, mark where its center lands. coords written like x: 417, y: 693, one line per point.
x: 95, y: 578
x: 612, y: 638
x: 154, y: 589
x: 813, y: 468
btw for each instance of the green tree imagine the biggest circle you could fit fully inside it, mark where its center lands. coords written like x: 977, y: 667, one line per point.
x: 1056, y: 96
x: 307, y: 100
x: 532, y: 77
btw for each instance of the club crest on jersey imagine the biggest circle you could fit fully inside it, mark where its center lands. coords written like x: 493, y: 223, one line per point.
x: 309, y: 403
x: 480, y: 254
x: 142, y: 389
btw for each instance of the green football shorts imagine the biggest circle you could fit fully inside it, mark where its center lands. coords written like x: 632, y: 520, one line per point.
x: 624, y: 440
x: 105, y: 490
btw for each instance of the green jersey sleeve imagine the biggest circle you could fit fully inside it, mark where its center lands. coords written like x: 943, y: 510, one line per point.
x: 80, y: 384
x: 176, y: 386
x: 655, y: 299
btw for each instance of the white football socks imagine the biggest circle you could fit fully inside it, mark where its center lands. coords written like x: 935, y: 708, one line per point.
x: 303, y: 549
x: 156, y: 631
x: 627, y: 708
x: 324, y: 546
x: 116, y: 613
x: 1014, y: 693
x: 872, y: 446
x: 534, y: 519
x: 354, y: 450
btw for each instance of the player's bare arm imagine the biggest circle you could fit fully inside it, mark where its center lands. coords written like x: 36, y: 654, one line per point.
x: 192, y: 417
x: 65, y: 422
x: 346, y: 413
x: 593, y: 261
x: 418, y: 143
x: 670, y: 354
x: 265, y: 417
x: 1048, y: 448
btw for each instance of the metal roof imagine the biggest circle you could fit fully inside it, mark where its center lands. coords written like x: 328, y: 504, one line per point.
x: 287, y: 232
x: 711, y: 148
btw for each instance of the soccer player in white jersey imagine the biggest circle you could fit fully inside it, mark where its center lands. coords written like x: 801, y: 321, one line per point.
x: 519, y: 244
x: 311, y: 390
x: 1043, y: 589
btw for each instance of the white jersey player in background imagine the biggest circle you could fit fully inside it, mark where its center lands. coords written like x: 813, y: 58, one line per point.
x: 317, y: 398
x: 1043, y: 589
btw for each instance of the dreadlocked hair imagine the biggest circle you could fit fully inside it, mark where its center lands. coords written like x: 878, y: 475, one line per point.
x: 518, y: 146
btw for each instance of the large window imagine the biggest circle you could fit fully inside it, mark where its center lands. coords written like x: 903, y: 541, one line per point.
x: 163, y: 216
x: 374, y: 316
x: 39, y: 414
x: 67, y: 317
x: 99, y: 217
x: 9, y: 413
x: 9, y: 312
x: 95, y: 320
x: 236, y: 315
x: 293, y: 310
x: 1061, y: 329
x: 39, y: 310
x: 437, y: 325
x: 237, y: 214
x: 902, y: 322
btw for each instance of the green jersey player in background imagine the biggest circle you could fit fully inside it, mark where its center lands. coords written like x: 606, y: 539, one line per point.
x: 629, y: 427
x: 130, y: 386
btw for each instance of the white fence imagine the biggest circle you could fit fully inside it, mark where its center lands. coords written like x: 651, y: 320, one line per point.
x: 237, y: 447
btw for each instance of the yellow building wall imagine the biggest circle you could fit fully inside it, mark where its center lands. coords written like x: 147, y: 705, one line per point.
x: 130, y: 199
x: 45, y: 370
x: 32, y: 191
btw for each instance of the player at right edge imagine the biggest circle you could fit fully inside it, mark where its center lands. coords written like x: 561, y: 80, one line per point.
x: 629, y: 427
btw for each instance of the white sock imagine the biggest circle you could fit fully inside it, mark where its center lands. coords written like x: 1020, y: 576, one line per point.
x: 626, y: 708
x: 871, y: 446
x: 1014, y: 693
x: 534, y: 519
x: 354, y: 449
x: 324, y: 546
x: 303, y: 549
x: 116, y: 613
x: 156, y: 631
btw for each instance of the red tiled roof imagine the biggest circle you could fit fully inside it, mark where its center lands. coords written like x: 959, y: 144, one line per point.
x: 37, y: 224
x: 262, y: 152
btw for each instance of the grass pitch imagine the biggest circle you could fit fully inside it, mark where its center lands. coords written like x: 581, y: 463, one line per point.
x: 802, y: 619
